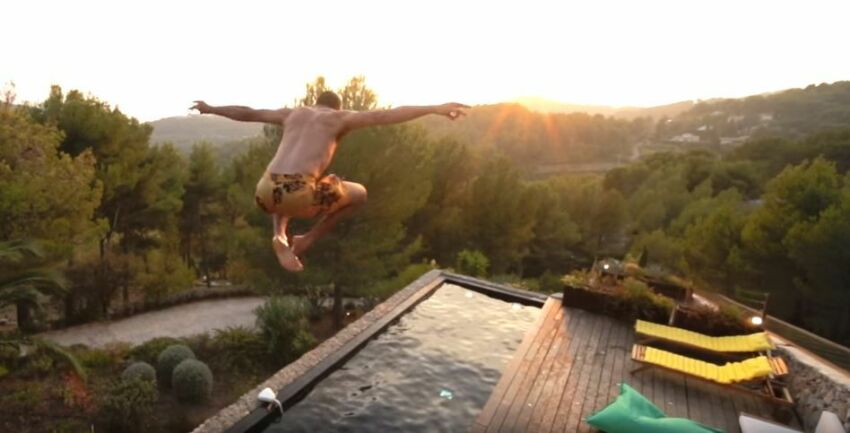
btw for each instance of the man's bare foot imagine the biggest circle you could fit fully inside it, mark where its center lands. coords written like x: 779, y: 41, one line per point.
x: 300, y: 244
x: 286, y: 256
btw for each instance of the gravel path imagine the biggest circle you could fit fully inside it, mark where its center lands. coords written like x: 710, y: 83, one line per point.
x: 180, y: 321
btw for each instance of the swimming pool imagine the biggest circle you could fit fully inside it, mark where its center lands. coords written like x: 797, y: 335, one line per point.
x: 431, y: 371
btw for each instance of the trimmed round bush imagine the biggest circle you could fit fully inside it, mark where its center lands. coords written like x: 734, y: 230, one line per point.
x: 127, y: 405
x: 170, y: 358
x: 139, y: 370
x: 192, y: 381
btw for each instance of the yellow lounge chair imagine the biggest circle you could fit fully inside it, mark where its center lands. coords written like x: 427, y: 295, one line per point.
x: 752, y: 343
x: 759, y: 370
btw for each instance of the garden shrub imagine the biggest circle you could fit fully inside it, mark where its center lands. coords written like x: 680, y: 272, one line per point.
x: 149, y: 351
x: 238, y: 349
x: 550, y: 283
x: 139, y: 370
x: 283, y: 325
x: 94, y: 358
x: 169, y: 359
x: 192, y: 381
x: 127, y: 405
x: 640, y: 302
x: 577, y: 278
x: 201, y: 345
x: 472, y: 262
x: 38, y: 364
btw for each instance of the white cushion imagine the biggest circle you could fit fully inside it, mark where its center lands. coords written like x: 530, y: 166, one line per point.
x: 829, y: 423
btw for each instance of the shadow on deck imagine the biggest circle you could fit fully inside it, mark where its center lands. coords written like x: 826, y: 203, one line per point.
x: 570, y: 365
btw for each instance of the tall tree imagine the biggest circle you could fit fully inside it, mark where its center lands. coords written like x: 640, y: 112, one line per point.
x: 201, y: 209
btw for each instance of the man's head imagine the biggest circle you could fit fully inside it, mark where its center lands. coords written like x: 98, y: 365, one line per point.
x: 329, y: 99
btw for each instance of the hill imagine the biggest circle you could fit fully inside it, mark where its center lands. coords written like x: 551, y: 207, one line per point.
x: 544, y: 105
x: 792, y: 113
x: 531, y: 138
x: 183, y: 131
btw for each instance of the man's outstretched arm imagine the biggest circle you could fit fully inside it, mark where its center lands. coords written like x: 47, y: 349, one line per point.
x: 243, y: 114
x: 362, y: 119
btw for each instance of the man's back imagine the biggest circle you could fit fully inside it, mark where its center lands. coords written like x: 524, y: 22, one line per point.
x: 309, y: 141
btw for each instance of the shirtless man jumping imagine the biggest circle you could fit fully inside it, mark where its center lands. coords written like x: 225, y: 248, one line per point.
x: 293, y: 186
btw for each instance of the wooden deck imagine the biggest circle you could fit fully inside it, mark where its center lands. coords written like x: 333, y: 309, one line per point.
x: 570, y: 365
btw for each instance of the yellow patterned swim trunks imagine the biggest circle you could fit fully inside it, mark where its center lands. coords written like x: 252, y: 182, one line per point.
x: 298, y: 195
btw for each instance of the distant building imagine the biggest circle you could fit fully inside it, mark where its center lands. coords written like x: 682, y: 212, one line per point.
x: 686, y: 138
x: 731, y: 141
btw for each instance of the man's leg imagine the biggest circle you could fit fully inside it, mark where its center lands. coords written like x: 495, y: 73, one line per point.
x: 354, y: 197
x: 280, y: 242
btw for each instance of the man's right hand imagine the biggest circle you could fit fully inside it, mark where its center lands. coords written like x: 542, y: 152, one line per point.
x: 452, y: 110
x: 202, y: 107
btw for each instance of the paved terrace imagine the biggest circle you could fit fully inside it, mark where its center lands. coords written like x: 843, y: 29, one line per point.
x: 569, y: 366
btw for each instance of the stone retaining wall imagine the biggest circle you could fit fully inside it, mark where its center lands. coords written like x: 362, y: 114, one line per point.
x: 816, y: 386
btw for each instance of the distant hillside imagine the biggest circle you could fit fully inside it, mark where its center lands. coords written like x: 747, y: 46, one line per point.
x: 544, y: 105
x: 792, y: 113
x: 183, y: 131
x: 532, y: 138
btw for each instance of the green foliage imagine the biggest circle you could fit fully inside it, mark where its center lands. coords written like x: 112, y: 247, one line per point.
x: 791, y: 113
x: 192, y: 381
x: 497, y: 216
x: 22, y: 283
x: 386, y: 288
x: 160, y: 272
x: 529, y: 137
x: 641, y: 302
x: 29, y: 396
x: 38, y: 365
x: 472, y: 262
x: 3, y: 371
x: 169, y: 359
x: 577, y: 278
x: 139, y: 370
x: 238, y: 349
x: 282, y: 322
x: 95, y: 358
x: 127, y: 405
x: 44, y: 193
x: 550, y: 283
x: 201, y: 209
x: 149, y: 350
x: 48, y: 357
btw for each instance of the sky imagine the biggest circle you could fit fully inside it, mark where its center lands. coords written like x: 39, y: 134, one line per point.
x: 153, y: 58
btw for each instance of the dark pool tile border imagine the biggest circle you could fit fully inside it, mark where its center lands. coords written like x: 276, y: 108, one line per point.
x: 297, y: 379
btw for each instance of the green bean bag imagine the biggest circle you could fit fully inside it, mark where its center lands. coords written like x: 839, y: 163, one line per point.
x: 633, y: 413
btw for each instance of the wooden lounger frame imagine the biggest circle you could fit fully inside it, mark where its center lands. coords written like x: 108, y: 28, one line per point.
x: 769, y: 388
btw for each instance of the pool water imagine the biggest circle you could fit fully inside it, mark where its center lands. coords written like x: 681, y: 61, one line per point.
x: 431, y: 371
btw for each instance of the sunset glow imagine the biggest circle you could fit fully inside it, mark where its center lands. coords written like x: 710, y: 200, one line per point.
x: 153, y: 58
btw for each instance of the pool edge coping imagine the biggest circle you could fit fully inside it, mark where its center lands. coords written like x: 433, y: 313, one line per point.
x: 294, y: 381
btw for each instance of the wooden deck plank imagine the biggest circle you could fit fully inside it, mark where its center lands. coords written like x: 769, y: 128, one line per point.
x: 526, y: 397
x: 543, y: 421
x: 598, y: 398
x: 570, y: 366
x: 590, y: 356
x: 600, y: 356
x: 527, y: 369
x: 550, y: 390
x: 567, y: 398
x: 510, y: 374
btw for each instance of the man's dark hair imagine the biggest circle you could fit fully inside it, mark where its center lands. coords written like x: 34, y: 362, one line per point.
x: 329, y: 99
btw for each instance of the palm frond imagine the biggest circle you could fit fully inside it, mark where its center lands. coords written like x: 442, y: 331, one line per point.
x: 15, y: 250
x: 43, y: 279
x: 60, y: 353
